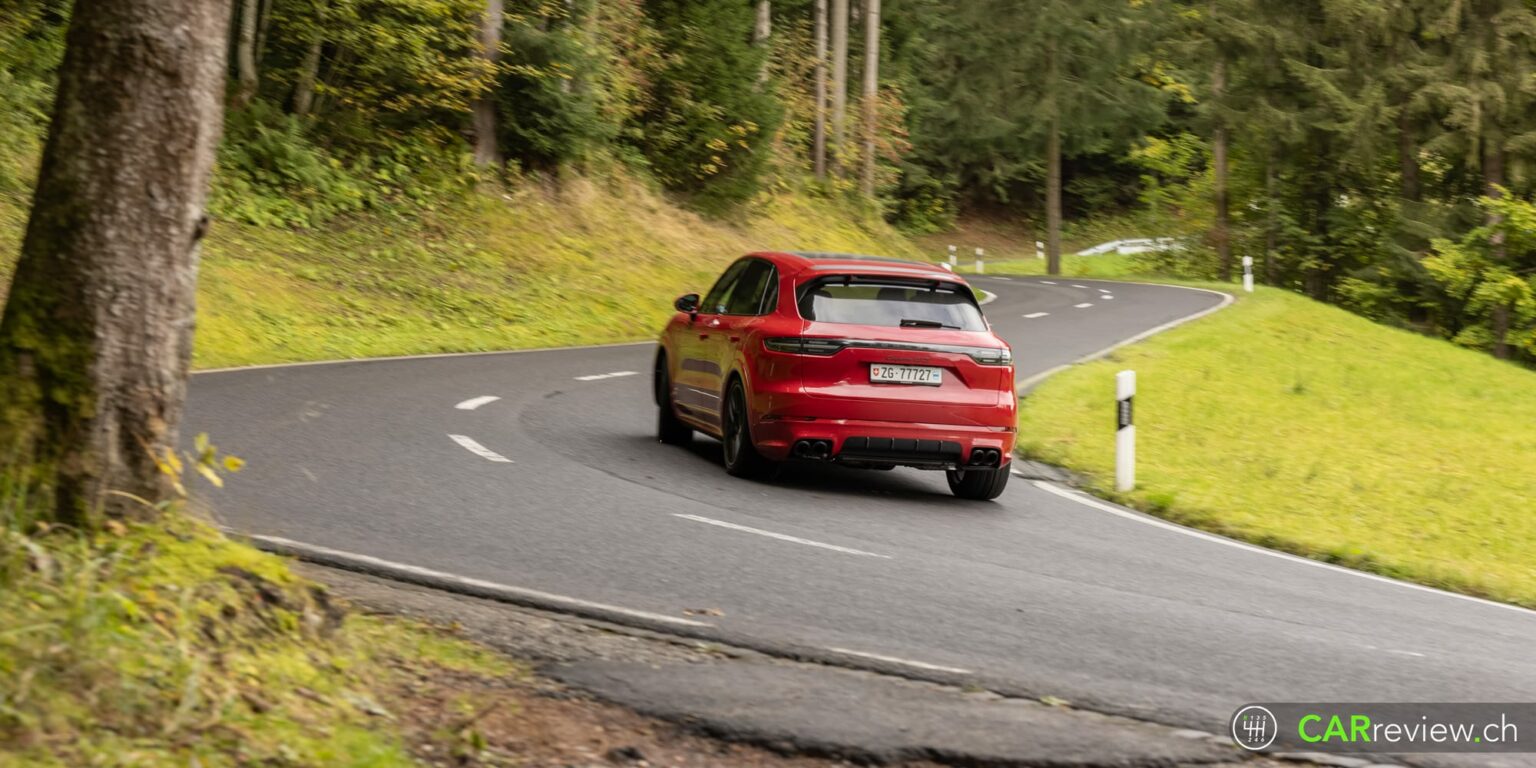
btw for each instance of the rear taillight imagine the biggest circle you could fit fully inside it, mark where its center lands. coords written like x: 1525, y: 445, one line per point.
x: 989, y: 356
x: 799, y: 345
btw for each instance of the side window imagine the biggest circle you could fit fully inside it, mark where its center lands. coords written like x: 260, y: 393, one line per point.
x: 714, y: 301
x: 747, y: 297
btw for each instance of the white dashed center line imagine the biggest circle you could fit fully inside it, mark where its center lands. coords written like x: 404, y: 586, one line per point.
x: 1083, y: 305
x: 479, y: 450
x: 1047, y: 282
x: 904, y: 662
x: 1034, y: 315
x: 1084, y: 287
x: 1107, y: 297
x: 476, y: 402
x: 779, y: 536
x: 1105, y: 290
x: 601, y: 376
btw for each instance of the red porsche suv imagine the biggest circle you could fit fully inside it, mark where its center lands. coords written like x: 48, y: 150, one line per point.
x: 858, y: 360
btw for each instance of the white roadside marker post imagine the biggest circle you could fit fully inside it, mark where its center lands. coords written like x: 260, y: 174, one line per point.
x: 1248, y: 274
x: 981, y: 266
x: 1125, y: 431
x: 1039, y: 250
x: 954, y: 260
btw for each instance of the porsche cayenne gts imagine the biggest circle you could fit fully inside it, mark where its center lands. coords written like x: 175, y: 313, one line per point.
x: 862, y: 361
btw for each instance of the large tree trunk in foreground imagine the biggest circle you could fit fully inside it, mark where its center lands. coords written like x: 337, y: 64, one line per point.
x: 819, y: 140
x: 839, y: 80
x: 97, y: 331
x: 871, y: 93
x: 487, y: 153
x: 1222, y: 230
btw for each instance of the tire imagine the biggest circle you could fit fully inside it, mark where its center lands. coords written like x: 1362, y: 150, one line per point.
x: 741, y: 456
x: 669, y: 429
x: 978, y: 484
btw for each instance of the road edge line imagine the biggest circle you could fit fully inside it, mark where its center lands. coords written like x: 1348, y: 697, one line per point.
x: 462, y: 585
x: 429, y: 356
x: 1089, y: 500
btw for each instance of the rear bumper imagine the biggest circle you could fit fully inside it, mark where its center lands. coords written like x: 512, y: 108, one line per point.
x: 775, y: 438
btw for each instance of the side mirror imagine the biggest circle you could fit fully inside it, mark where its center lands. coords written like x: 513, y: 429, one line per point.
x: 687, y: 303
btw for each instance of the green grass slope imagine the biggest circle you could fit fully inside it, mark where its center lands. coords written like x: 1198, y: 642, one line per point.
x: 1304, y: 427
x: 589, y: 264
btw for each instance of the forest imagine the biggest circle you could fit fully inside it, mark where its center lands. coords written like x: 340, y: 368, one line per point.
x: 1375, y: 154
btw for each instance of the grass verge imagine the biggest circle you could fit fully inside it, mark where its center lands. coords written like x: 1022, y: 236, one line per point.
x: 168, y: 644
x: 1306, y: 428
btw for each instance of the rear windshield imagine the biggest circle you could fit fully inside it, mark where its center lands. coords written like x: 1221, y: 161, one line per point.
x: 893, y: 303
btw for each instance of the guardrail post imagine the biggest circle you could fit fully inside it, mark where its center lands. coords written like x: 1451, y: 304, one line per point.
x: 954, y: 260
x: 1125, y: 431
x: 981, y: 265
x: 1248, y: 274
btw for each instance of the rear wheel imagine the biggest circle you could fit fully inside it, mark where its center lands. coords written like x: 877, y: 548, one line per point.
x: 978, y: 484
x: 669, y: 429
x: 741, y: 456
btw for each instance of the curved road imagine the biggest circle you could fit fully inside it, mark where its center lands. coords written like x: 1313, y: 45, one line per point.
x: 557, y: 485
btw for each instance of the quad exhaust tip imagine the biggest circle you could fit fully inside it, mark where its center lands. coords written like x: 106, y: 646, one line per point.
x: 815, y: 450
x: 985, y: 457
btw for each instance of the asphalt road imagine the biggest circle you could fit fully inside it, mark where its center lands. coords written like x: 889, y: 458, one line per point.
x: 1040, y: 591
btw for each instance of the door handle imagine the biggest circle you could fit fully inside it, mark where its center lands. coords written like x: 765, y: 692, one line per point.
x: 735, y: 339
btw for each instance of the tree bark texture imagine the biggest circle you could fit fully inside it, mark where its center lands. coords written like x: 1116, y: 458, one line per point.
x: 96, y: 335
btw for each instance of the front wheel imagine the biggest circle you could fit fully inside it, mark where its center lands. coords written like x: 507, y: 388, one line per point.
x: 978, y: 484
x: 741, y: 456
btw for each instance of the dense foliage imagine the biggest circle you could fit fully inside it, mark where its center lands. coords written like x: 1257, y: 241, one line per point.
x: 1373, y: 153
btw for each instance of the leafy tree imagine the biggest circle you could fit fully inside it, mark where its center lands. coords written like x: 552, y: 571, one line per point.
x: 707, y: 127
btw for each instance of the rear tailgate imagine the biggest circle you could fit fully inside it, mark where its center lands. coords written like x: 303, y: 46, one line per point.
x: 840, y: 385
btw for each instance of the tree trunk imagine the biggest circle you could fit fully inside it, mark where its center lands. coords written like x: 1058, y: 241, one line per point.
x: 1222, y: 230
x: 245, y: 53
x: 1272, y: 218
x: 871, y: 92
x: 309, y: 72
x: 1408, y: 159
x: 839, y: 81
x: 1493, y: 186
x: 96, y: 335
x: 762, y: 31
x: 1053, y: 197
x: 1500, y: 321
x: 1052, y: 167
x: 487, y: 153
x: 819, y: 138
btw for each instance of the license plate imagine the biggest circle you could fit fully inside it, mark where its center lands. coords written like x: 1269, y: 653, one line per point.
x: 881, y: 373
